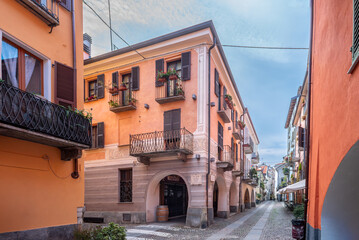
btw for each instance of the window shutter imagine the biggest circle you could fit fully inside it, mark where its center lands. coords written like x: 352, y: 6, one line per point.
x: 100, y: 86
x: 355, y: 47
x: 135, y: 75
x: 237, y: 152
x: 66, y: 4
x: 236, y: 119
x: 216, y: 83
x: 224, y: 94
x: 160, y: 64
x: 115, y: 79
x: 186, y: 66
x: 301, y: 136
x: 232, y: 115
x: 220, y: 135
x: 65, y: 85
x: 100, y: 135
x: 176, y: 119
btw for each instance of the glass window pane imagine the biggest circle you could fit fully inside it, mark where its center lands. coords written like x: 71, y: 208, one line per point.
x: 33, y: 80
x: 9, y: 64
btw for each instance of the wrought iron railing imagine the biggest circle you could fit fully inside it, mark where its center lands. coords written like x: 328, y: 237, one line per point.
x: 161, y: 141
x: 122, y: 99
x: 248, y: 141
x: 227, y: 154
x: 171, y: 88
x: 28, y: 111
x: 51, y: 7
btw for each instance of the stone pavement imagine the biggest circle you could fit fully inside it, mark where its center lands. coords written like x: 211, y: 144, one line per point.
x: 269, y: 220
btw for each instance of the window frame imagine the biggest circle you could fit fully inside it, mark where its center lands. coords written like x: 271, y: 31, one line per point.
x: 94, y: 136
x: 21, y: 64
x: 89, y: 89
x: 67, y: 6
x: 120, y: 182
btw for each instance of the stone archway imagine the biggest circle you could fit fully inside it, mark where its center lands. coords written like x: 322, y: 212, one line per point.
x: 233, y: 198
x: 247, y: 199
x: 339, y: 219
x: 153, y: 193
x: 220, y: 198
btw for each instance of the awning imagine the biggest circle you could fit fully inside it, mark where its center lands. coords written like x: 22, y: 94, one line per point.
x: 295, y: 187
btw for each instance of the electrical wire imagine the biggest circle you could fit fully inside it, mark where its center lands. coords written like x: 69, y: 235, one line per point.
x: 262, y: 47
x: 94, y: 11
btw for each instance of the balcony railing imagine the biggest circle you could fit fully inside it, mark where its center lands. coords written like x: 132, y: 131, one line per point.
x: 171, y: 91
x: 123, y: 101
x: 226, y: 158
x: 224, y: 111
x: 158, y: 143
x: 255, y: 158
x: 46, y: 10
x: 248, y: 144
x: 247, y: 178
x: 26, y: 116
x: 237, y: 133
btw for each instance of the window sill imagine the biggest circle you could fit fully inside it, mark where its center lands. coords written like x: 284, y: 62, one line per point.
x: 125, y: 202
x: 354, y: 64
x: 87, y: 101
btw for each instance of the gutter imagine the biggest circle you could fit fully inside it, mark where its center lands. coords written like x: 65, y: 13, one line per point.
x: 74, y: 50
x: 307, y: 145
x: 209, y: 122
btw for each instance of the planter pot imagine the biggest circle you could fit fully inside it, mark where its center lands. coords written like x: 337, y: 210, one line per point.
x: 298, y: 226
x: 241, y: 124
x: 113, y: 90
x: 173, y: 77
x: 163, y: 79
x: 122, y: 87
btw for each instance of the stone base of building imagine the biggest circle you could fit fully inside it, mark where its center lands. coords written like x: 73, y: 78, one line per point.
x: 115, y: 217
x: 233, y: 209
x: 210, y: 215
x: 247, y: 205
x: 242, y: 208
x: 197, y: 217
x: 64, y: 232
x: 253, y: 204
x: 223, y: 214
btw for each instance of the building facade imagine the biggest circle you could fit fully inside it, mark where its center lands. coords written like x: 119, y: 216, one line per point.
x: 176, y: 141
x: 41, y: 173
x: 334, y: 100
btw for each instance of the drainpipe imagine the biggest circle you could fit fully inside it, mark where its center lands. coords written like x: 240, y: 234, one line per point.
x: 75, y: 174
x: 242, y: 157
x: 307, y: 143
x: 74, y: 51
x: 209, y: 121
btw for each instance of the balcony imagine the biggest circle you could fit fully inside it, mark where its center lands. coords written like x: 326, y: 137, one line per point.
x: 248, y: 144
x: 237, y: 134
x: 247, y: 178
x: 28, y: 117
x: 123, y: 101
x: 46, y: 10
x: 171, y: 91
x: 225, y: 160
x: 161, y: 143
x: 255, y: 158
x: 237, y: 173
x: 224, y: 111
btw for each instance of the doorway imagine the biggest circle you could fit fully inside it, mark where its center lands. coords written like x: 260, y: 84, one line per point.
x: 215, y: 199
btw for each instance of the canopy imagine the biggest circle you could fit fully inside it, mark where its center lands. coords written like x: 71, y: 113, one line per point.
x: 295, y: 187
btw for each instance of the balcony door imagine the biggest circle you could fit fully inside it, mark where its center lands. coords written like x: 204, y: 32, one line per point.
x: 172, y: 129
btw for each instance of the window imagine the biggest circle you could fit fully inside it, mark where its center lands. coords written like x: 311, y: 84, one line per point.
x: 66, y: 4
x: 21, y: 69
x: 92, y: 88
x: 98, y: 135
x: 220, y: 141
x: 94, y: 137
x: 355, y: 47
x: 172, y: 84
x: 125, y: 182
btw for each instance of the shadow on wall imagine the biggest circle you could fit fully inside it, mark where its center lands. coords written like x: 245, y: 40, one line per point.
x: 340, y: 213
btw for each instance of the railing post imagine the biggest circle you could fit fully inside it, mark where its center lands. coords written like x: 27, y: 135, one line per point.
x: 156, y: 141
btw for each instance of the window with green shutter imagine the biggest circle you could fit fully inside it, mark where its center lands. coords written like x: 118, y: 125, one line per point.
x: 355, y: 47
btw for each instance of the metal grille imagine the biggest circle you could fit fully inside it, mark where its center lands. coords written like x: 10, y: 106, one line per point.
x: 171, y: 88
x: 355, y: 46
x: 227, y: 154
x: 161, y: 141
x: 28, y: 111
x: 122, y: 99
x: 126, y: 191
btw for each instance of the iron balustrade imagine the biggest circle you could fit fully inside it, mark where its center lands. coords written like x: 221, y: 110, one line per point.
x: 171, y: 88
x: 28, y: 111
x: 50, y: 8
x: 123, y: 99
x: 227, y: 154
x: 161, y: 142
x: 248, y: 142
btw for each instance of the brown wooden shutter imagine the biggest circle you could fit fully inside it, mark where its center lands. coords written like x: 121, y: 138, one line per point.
x: 115, y: 79
x: 100, y: 135
x: 220, y: 135
x: 232, y: 145
x: 135, y: 75
x: 172, y: 120
x: 186, y: 66
x: 224, y: 94
x: 100, y: 86
x: 216, y: 83
x: 301, y: 136
x: 232, y: 115
x: 160, y: 65
x: 236, y: 119
x: 167, y: 121
x: 65, y: 94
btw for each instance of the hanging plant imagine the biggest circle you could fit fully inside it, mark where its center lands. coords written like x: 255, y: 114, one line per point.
x: 172, y: 74
x: 122, y: 87
x: 162, y: 76
x: 114, y: 89
x: 241, y: 124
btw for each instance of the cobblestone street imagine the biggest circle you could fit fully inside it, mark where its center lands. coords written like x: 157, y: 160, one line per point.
x: 269, y: 220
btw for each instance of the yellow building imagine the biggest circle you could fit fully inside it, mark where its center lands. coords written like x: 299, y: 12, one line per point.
x: 41, y: 175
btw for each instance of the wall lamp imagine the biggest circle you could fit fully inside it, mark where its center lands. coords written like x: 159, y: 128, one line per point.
x: 147, y: 106
x: 194, y: 97
x: 213, y: 104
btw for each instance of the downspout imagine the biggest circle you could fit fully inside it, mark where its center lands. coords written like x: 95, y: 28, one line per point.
x: 209, y: 123
x: 241, y: 161
x: 307, y: 145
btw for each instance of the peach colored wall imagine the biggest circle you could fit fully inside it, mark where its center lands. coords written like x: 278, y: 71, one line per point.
x: 335, y: 99
x: 118, y: 126
x: 31, y: 195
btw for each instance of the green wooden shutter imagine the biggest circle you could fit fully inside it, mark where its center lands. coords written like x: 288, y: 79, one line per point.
x: 220, y: 135
x: 186, y: 66
x: 135, y: 78
x: 160, y: 64
x: 100, y: 135
x: 100, y: 86
x: 355, y: 47
x: 216, y: 83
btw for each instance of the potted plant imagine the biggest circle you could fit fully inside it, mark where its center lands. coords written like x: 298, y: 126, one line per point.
x: 113, y: 104
x: 132, y: 101
x: 298, y: 223
x: 179, y: 89
x: 114, y: 88
x: 241, y: 124
x: 172, y: 74
x: 228, y: 100
x: 90, y: 98
x: 122, y: 87
x: 162, y: 76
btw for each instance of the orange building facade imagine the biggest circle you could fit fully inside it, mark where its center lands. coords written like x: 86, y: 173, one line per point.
x: 334, y: 80
x: 41, y: 175
x: 150, y: 138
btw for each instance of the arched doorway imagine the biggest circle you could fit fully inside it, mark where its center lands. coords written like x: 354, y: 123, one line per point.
x: 247, y: 201
x: 167, y: 189
x: 220, y: 199
x: 339, y: 219
x: 233, y: 198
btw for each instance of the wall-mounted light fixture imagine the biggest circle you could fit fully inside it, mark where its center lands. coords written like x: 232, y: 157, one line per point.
x: 213, y: 104
x: 198, y: 156
x: 147, y: 106
x: 229, y: 128
x: 212, y: 159
x: 194, y: 97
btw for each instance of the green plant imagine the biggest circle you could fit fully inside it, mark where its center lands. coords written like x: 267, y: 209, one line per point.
x: 300, y: 167
x: 262, y: 185
x: 113, y: 104
x: 162, y: 74
x: 2, y: 80
x: 259, y: 196
x: 132, y: 100
x: 172, y: 72
x: 286, y: 171
x: 253, y: 173
x: 111, y: 232
x: 229, y: 97
x: 298, y: 211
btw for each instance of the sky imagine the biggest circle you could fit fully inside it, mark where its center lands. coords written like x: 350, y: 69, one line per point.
x: 266, y: 79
